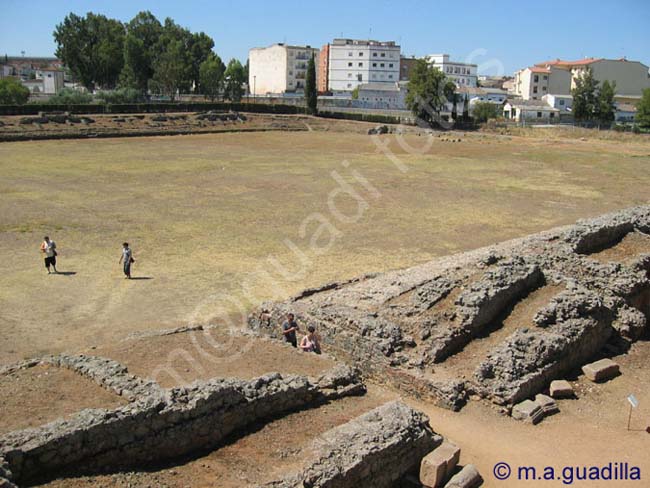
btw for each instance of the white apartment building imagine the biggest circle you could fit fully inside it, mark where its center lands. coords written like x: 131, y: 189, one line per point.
x: 463, y: 74
x: 355, y: 62
x: 279, y: 69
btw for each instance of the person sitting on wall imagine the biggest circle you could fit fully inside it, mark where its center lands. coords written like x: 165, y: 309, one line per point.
x: 310, y: 342
x: 289, y: 329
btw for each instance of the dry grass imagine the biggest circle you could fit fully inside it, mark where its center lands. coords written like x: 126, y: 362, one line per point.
x: 205, y: 212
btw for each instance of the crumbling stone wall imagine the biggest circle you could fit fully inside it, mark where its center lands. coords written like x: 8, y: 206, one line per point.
x: 375, y: 449
x: 400, y: 327
x: 165, y: 423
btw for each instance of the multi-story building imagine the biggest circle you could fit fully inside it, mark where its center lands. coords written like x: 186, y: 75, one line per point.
x: 462, y: 74
x: 279, y: 69
x: 323, y: 69
x: 354, y: 62
x: 558, y: 77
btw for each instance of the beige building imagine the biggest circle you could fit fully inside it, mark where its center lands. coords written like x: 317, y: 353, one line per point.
x: 558, y: 77
x: 279, y: 69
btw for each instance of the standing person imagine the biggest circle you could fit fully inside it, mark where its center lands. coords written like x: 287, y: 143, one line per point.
x: 48, y: 248
x: 310, y: 342
x: 289, y: 329
x: 127, y: 257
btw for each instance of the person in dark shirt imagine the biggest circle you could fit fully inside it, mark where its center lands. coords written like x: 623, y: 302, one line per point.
x: 289, y: 329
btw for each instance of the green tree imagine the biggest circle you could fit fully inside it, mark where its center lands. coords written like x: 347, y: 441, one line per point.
x: 234, y: 76
x: 429, y: 90
x: 643, y: 110
x: 454, y: 108
x: 311, y: 94
x: 142, y: 35
x: 484, y: 111
x: 606, y: 108
x: 200, y: 49
x: 170, y: 70
x: 211, y: 76
x: 585, y: 98
x: 12, y: 92
x: 92, y: 47
x: 355, y: 93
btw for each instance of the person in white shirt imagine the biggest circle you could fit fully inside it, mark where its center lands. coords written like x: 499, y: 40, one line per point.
x: 127, y: 257
x: 48, y: 248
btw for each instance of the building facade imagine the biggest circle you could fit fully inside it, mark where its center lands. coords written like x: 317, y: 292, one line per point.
x: 405, y: 67
x: 558, y: 77
x: 462, y: 74
x: 530, y: 111
x: 279, y: 69
x: 322, y: 74
x: 355, y: 62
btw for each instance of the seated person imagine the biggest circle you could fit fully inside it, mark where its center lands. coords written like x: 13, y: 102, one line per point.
x: 310, y: 342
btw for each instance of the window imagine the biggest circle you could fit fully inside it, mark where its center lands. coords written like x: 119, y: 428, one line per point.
x: 543, y: 88
x: 290, y: 73
x: 374, y: 55
x: 561, y: 102
x: 360, y: 65
x: 390, y: 65
x: 534, y: 89
x: 350, y: 65
x: 359, y: 77
x: 349, y: 85
x: 349, y: 53
x: 383, y: 55
x: 536, y: 78
x: 539, y: 115
x: 382, y: 65
x: 390, y: 76
x: 374, y: 65
x: 552, y: 115
x: 349, y: 75
x: 360, y: 54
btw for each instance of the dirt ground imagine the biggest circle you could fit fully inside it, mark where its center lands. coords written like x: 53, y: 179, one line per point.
x: 220, y: 222
x: 179, y: 359
x: 38, y: 395
x: 630, y: 247
x: 267, y: 453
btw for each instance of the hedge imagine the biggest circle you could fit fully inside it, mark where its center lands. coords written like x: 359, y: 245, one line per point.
x: 377, y: 118
x: 158, y: 107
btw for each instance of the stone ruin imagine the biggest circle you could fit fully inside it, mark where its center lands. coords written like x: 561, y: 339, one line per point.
x: 436, y: 330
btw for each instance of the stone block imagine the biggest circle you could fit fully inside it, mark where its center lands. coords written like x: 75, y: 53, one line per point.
x: 468, y: 477
x: 528, y: 411
x: 602, y: 370
x: 547, y: 403
x: 437, y: 466
x: 561, y: 389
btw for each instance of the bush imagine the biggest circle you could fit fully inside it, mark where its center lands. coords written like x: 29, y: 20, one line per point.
x: 68, y: 96
x: 122, y: 95
x: 484, y: 111
x: 12, y: 92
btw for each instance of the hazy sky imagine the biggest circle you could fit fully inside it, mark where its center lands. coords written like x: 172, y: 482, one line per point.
x: 497, y: 35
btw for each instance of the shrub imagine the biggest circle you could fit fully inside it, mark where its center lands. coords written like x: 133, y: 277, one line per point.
x: 122, y: 95
x: 12, y: 92
x: 68, y: 96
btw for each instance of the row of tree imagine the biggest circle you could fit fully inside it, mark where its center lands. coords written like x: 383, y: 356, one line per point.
x: 146, y: 55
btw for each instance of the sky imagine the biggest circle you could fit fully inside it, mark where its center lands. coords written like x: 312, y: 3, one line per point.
x: 500, y: 36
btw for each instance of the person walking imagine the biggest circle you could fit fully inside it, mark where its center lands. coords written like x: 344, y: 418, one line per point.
x: 127, y: 258
x: 48, y: 248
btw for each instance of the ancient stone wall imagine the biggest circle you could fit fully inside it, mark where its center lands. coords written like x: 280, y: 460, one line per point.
x: 160, y: 424
x: 375, y: 449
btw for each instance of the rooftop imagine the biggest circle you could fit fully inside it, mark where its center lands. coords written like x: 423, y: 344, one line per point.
x: 363, y: 42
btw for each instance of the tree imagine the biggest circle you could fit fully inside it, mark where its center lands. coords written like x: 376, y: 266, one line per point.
x: 355, y: 93
x: 12, y: 92
x: 92, y: 47
x: 585, y: 99
x: 606, y: 108
x: 234, y: 76
x: 484, y: 111
x: 211, y: 76
x: 429, y: 90
x: 643, y: 110
x: 466, y: 109
x: 311, y: 93
x: 454, y: 108
x: 142, y: 35
x: 200, y: 49
x: 170, y: 70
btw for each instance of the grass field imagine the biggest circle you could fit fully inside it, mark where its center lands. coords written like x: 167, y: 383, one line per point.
x: 207, y: 215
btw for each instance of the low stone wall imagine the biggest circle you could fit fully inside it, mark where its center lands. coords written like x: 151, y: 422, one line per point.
x: 165, y: 423
x: 375, y: 449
